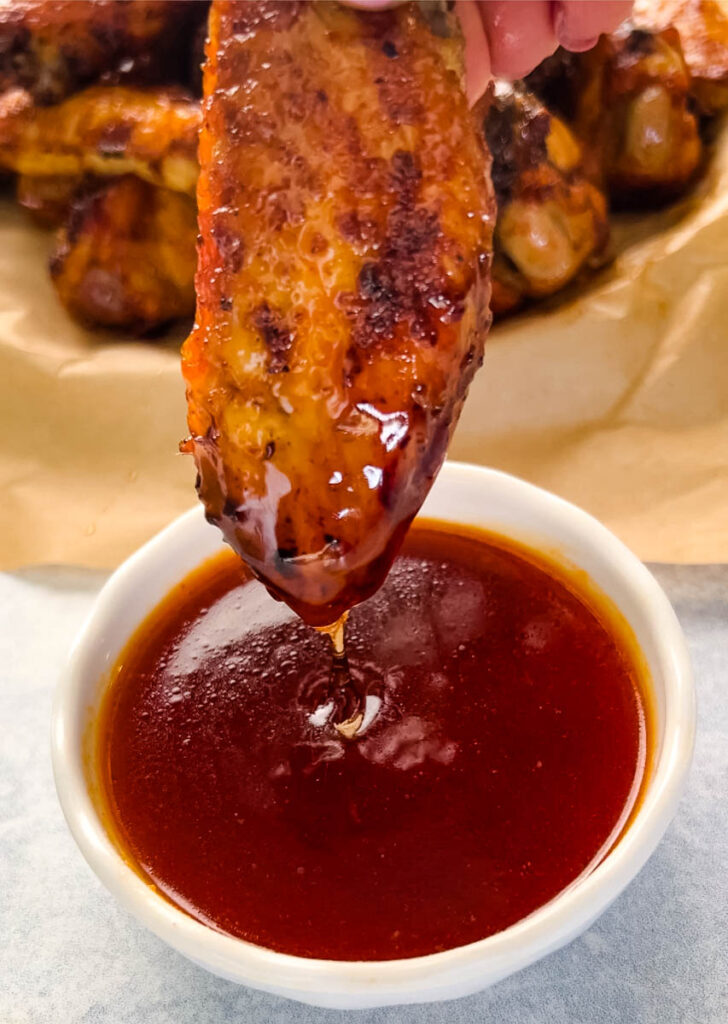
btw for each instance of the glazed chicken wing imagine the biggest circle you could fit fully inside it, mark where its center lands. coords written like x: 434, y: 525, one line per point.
x: 104, y: 130
x: 552, y: 220
x: 53, y: 47
x: 703, y: 29
x: 342, y: 293
x: 126, y: 257
x: 628, y: 100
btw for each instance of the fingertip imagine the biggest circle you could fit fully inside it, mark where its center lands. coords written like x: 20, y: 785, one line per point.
x: 477, y: 57
x: 578, y: 24
x: 520, y: 35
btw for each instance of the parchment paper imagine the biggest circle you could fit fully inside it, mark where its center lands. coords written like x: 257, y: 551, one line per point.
x: 617, y: 400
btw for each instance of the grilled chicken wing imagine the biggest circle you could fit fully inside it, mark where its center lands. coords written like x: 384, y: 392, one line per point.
x: 552, y: 220
x: 52, y: 47
x: 342, y: 291
x: 703, y: 29
x: 104, y: 130
x: 628, y: 99
x: 127, y: 256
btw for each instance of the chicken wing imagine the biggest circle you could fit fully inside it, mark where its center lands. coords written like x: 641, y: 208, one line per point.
x: 628, y: 100
x: 703, y: 29
x: 127, y: 256
x: 552, y: 221
x: 342, y: 292
x: 53, y: 47
x: 104, y: 130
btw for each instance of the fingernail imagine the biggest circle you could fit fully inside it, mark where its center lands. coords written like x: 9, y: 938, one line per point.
x: 577, y: 45
x: 568, y: 41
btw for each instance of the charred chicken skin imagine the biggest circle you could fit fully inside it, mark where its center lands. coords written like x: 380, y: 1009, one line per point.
x: 53, y: 47
x: 345, y: 216
x: 104, y: 130
x: 126, y: 257
x: 552, y: 221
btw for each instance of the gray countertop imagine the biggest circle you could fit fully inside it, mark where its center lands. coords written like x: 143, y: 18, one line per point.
x: 659, y: 955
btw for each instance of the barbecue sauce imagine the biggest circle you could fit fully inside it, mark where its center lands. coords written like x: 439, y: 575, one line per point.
x: 500, y: 749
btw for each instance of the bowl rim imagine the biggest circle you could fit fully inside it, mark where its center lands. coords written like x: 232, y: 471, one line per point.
x: 384, y: 982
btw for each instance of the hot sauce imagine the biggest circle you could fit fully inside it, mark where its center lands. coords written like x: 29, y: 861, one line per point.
x: 498, y: 746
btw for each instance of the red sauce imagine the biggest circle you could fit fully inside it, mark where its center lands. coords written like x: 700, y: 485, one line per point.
x: 505, y: 750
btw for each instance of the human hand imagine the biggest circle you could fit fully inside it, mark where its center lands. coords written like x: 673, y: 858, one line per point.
x: 509, y: 38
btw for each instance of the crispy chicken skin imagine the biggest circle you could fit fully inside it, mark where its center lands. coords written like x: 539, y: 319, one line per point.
x: 126, y: 257
x: 342, y: 292
x: 53, y: 47
x: 628, y: 100
x: 703, y: 29
x: 552, y: 220
x: 104, y: 130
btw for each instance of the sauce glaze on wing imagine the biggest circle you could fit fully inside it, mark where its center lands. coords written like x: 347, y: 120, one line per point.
x: 345, y: 217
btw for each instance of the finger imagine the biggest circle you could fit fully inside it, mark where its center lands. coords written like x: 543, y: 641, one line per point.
x: 519, y: 35
x: 578, y: 24
x: 477, y: 58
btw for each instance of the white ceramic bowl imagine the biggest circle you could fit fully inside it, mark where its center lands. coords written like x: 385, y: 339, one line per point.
x: 462, y: 494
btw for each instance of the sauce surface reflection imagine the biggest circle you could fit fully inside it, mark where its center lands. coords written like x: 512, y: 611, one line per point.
x: 498, y: 746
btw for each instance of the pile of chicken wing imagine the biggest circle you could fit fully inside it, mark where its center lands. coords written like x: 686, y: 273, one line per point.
x: 99, y: 121
x: 100, y: 115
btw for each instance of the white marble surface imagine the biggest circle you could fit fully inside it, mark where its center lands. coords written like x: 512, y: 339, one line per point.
x: 69, y: 954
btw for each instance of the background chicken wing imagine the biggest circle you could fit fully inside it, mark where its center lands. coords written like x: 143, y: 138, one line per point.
x: 126, y: 257
x: 104, y: 130
x: 552, y: 221
x: 629, y: 102
x: 53, y: 47
x: 703, y: 29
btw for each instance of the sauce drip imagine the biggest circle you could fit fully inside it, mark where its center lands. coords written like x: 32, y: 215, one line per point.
x: 500, y: 750
x: 348, y: 706
x: 337, y: 634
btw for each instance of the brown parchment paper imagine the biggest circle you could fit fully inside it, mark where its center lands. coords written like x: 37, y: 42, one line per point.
x: 616, y: 399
